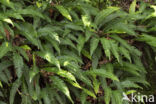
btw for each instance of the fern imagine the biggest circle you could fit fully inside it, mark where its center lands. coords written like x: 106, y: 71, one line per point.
x: 81, y: 42
x: 106, y: 46
x: 84, y: 51
x: 63, y: 11
x: 107, y: 95
x: 132, y: 7
x: 14, y: 89
x: 83, y: 97
x: 62, y: 87
x: 5, y: 48
x: 104, y: 73
x: 103, y: 14
x: 93, y: 45
x: 148, y: 39
x: 18, y: 63
x: 49, y: 57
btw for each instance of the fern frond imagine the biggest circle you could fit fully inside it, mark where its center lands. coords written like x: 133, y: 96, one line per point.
x: 104, y: 13
x: 18, y: 64
x: 62, y: 87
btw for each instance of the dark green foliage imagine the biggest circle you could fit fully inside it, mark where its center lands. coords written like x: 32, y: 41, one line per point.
x: 62, y: 52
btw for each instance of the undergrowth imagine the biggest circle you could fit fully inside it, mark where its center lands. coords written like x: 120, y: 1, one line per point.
x: 75, y: 51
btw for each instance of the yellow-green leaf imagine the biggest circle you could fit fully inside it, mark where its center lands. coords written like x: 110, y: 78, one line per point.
x: 132, y: 7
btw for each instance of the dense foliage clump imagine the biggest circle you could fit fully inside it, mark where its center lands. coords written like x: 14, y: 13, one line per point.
x: 75, y: 51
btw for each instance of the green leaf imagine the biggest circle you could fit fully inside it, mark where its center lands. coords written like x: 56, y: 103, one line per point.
x: 103, y: 73
x: 25, y: 47
x: 27, y: 30
x: 61, y: 72
x: 23, y: 53
x: 47, y: 30
x: 59, y: 83
x: 117, y: 97
x: 111, y: 17
x: 93, y: 45
x: 74, y: 27
x: 130, y: 84
x: 4, y: 65
x: 131, y: 68
x: 82, y: 76
x: 123, y: 28
x: 3, y: 77
x: 83, y: 97
x: 4, y: 49
x: 86, y: 54
x: 114, y: 49
x: 104, y: 13
x: 153, y: 14
x: 34, y: 71
x: 151, y: 40
x: 67, y: 41
x: 49, y: 57
x: 8, y: 21
x: 86, y: 20
x: 65, y: 74
x: 107, y: 95
x: 96, y: 57
x: 106, y: 46
x: 45, y: 96
x: 96, y: 84
x: 13, y: 91
x: 109, y: 67
x: 4, y: 73
x: 55, y: 45
x: 2, y: 31
x: 18, y: 64
x: 1, y: 85
x: 81, y: 42
x: 31, y: 11
x: 88, y: 35
x: 122, y: 41
x: 63, y: 11
x: 13, y: 15
x: 90, y: 93
x: 7, y: 3
x: 25, y: 99
x: 132, y: 7
x: 125, y: 52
